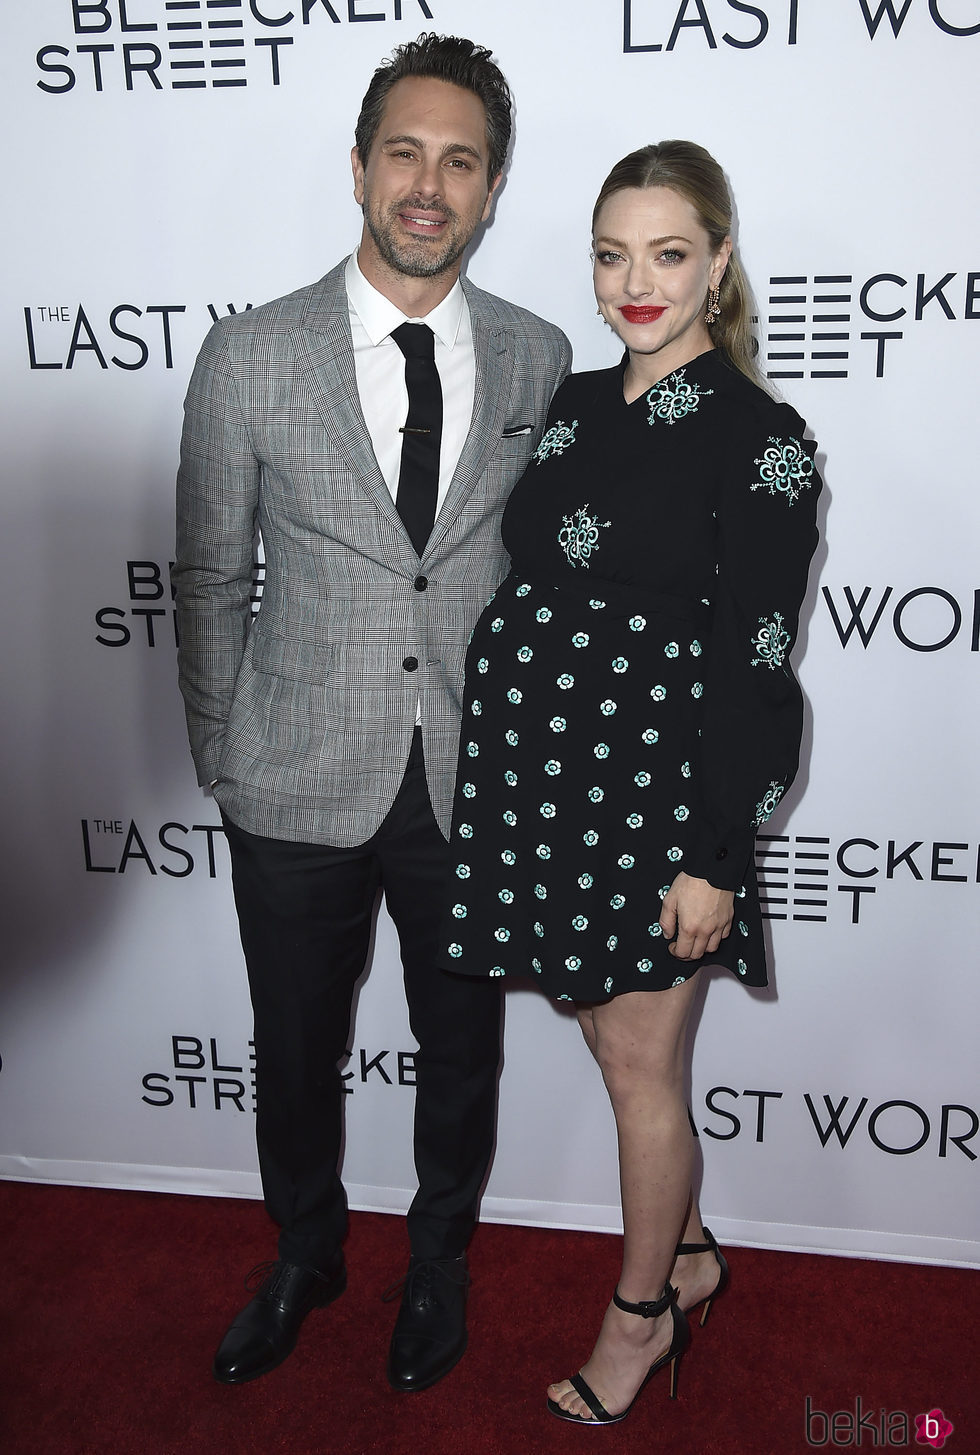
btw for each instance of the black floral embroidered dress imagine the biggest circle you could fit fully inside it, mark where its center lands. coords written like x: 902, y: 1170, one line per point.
x: 630, y: 711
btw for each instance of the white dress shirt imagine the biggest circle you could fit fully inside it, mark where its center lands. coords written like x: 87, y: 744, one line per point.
x: 379, y: 365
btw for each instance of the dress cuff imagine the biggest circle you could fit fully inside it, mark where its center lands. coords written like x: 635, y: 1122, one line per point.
x: 721, y: 856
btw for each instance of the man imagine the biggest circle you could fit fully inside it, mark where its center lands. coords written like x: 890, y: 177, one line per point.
x: 376, y: 468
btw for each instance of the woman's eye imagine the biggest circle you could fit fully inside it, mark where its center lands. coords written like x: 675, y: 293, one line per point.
x: 608, y: 258
x: 671, y: 256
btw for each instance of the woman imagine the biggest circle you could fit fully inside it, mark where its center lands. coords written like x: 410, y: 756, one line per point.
x: 631, y: 718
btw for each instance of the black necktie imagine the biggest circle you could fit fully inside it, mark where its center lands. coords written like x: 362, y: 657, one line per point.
x: 418, y: 478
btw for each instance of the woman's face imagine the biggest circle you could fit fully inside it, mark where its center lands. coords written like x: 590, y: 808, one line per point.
x: 653, y: 268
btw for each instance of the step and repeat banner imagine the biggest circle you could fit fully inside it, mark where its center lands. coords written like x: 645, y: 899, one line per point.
x: 171, y: 161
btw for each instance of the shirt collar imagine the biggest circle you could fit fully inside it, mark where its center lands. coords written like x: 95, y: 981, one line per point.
x: 378, y: 315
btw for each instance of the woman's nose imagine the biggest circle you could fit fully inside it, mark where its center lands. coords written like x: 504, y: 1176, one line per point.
x: 639, y: 281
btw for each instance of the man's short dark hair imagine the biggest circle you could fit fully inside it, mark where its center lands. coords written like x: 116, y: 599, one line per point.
x: 442, y: 58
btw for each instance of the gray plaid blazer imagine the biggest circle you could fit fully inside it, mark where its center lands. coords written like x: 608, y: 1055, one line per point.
x: 303, y: 719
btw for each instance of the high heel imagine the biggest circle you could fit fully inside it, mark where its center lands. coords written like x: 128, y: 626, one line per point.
x: 708, y: 1246
x: 680, y: 1338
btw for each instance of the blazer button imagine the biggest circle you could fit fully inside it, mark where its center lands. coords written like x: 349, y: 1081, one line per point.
x: 411, y: 664
x: 421, y: 583
x: 721, y: 854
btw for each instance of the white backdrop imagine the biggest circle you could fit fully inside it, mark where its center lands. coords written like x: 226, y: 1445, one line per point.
x: 170, y: 160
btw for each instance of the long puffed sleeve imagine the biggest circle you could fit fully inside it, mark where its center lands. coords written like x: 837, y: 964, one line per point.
x: 753, y: 708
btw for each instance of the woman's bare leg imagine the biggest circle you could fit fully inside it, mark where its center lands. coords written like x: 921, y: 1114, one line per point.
x: 639, y: 1041
x: 694, y: 1275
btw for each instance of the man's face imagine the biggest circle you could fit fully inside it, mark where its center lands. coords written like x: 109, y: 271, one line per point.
x: 424, y: 190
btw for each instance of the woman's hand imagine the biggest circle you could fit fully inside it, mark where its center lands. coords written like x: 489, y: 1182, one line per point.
x: 696, y: 917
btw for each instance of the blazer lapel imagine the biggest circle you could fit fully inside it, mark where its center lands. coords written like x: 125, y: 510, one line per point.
x: 494, y: 360
x: 323, y: 345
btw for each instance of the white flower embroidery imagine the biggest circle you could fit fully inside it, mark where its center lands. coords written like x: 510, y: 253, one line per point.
x: 556, y: 441
x: 771, y: 642
x: 579, y: 535
x: 766, y: 806
x: 786, y: 469
x: 669, y: 403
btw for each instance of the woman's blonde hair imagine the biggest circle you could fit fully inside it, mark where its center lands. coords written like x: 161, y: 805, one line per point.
x: 693, y: 173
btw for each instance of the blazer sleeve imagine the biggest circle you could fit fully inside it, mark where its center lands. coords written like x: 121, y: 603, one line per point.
x: 753, y: 710
x: 564, y: 363
x: 217, y: 509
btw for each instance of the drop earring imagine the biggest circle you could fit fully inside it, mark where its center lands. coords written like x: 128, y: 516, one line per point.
x: 714, y: 307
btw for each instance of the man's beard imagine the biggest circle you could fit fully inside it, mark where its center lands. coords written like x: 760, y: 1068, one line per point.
x: 416, y: 259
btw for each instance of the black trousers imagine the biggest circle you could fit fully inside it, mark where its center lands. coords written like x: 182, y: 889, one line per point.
x: 306, y: 913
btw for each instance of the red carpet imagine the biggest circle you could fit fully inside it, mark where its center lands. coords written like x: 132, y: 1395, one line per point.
x: 114, y: 1301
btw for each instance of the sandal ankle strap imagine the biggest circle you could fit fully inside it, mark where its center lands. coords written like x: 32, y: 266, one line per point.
x: 709, y: 1246
x: 651, y: 1308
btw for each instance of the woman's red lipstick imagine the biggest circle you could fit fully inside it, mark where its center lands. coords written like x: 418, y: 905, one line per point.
x: 632, y: 314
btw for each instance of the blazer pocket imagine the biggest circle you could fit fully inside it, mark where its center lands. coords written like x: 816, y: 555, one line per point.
x: 298, y: 660
x: 515, y: 448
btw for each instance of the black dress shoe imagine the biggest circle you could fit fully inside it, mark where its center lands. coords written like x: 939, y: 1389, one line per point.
x: 430, y: 1331
x: 265, y: 1332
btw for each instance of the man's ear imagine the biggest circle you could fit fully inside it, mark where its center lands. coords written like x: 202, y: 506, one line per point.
x: 489, y: 202
x: 357, y: 167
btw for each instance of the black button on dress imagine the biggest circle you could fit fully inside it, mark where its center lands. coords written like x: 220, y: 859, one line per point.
x: 629, y: 710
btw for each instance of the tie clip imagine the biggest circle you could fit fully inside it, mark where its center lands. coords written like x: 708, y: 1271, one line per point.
x: 408, y: 429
